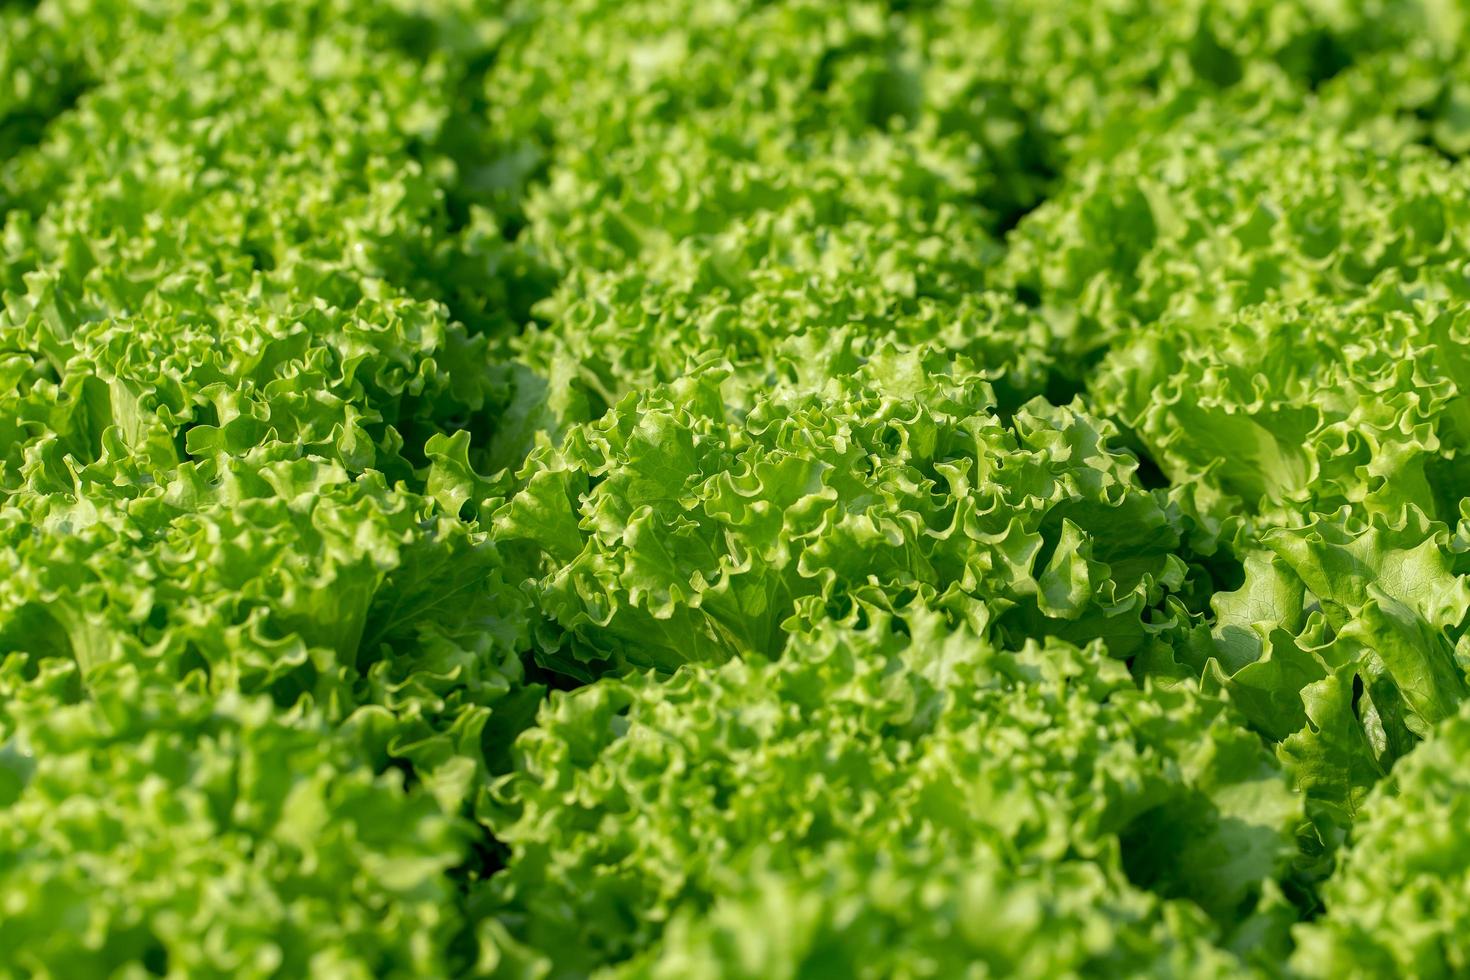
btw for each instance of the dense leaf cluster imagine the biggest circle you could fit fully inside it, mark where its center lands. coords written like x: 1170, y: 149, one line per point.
x: 754, y: 488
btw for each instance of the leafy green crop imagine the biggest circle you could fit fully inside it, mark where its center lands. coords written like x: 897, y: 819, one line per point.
x: 755, y: 488
x: 674, y: 530
x: 861, y: 754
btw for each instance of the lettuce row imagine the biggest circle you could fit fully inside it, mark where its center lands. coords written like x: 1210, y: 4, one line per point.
x: 254, y: 665
x: 777, y: 165
x: 1299, y: 381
